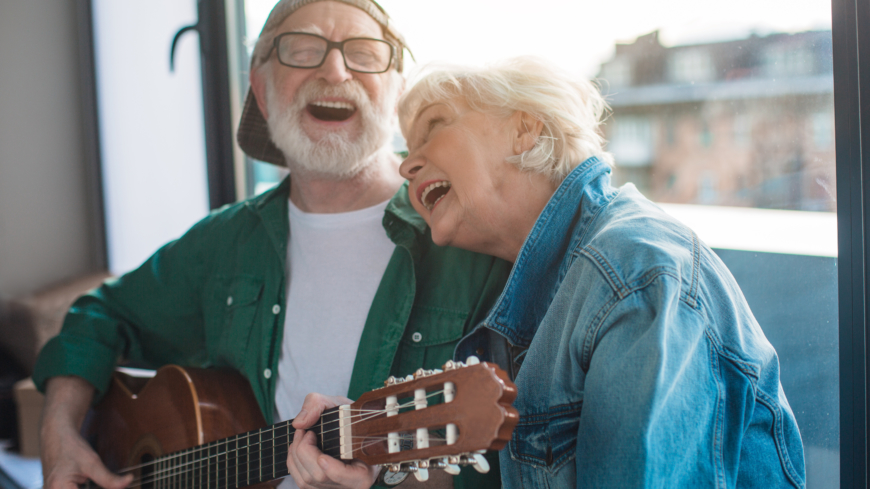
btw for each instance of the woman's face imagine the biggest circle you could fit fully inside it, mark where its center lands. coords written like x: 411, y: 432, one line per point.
x: 459, y: 180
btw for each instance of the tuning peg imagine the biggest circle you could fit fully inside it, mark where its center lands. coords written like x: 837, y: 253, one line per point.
x: 472, y: 360
x: 449, y: 365
x: 422, y: 475
x: 448, y: 467
x: 481, y: 465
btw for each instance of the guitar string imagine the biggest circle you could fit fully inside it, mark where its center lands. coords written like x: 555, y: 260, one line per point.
x: 174, y: 472
x: 370, y: 414
x: 219, y: 479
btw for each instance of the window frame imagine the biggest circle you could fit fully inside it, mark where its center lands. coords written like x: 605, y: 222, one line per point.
x: 850, y: 31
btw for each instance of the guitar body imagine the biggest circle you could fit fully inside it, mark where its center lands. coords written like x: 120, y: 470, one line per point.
x: 195, y: 428
x: 142, y: 419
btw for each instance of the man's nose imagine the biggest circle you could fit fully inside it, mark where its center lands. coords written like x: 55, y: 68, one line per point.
x: 333, y: 69
x: 409, y: 168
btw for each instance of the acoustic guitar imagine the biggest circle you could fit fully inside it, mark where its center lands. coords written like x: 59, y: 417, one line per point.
x: 196, y: 428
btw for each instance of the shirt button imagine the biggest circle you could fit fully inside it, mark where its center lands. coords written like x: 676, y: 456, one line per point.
x: 417, y: 337
x: 267, y: 373
x: 230, y: 300
x: 276, y: 309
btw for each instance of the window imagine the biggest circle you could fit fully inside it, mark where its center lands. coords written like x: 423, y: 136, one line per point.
x: 631, y: 141
x: 691, y: 66
x: 728, y: 123
x: 617, y: 72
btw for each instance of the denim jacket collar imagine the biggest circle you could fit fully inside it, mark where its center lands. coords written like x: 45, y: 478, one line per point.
x: 544, y: 256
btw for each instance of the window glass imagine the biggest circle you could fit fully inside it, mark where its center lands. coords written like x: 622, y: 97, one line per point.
x: 722, y: 114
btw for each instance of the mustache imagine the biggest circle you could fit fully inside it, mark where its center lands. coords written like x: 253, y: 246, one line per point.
x: 351, y: 90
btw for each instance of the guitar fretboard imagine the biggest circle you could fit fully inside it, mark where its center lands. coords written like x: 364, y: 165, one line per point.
x: 238, y: 461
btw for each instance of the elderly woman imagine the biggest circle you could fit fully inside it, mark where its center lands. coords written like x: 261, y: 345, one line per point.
x: 639, y: 361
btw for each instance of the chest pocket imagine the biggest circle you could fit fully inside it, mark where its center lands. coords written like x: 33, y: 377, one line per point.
x: 237, y: 302
x: 547, y: 440
x: 429, y: 339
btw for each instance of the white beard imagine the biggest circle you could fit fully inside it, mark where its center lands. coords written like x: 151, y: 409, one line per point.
x: 338, y: 155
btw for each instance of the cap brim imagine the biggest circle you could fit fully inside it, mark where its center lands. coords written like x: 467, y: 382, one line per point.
x: 254, y: 137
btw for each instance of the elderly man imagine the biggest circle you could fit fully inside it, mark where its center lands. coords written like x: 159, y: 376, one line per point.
x: 330, y: 291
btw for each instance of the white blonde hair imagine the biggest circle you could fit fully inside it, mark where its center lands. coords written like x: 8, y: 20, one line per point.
x: 570, y: 108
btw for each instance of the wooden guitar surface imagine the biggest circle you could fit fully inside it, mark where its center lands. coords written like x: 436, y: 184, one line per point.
x: 178, y: 409
x: 191, y: 428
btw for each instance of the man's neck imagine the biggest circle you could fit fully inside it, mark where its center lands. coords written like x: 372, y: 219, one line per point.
x: 322, y: 195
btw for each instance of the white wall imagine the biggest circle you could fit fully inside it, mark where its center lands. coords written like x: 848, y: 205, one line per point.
x: 46, y: 234
x: 153, y: 146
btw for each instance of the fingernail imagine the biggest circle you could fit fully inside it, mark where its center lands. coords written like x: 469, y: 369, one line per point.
x: 302, y: 414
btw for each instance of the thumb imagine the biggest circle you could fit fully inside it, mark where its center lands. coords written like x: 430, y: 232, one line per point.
x: 107, y: 480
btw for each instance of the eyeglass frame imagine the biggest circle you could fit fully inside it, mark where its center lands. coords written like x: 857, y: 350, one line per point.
x: 330, y: 45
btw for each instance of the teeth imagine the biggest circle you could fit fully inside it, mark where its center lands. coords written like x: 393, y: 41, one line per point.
x: 430, y: 188
x: 334, y: 105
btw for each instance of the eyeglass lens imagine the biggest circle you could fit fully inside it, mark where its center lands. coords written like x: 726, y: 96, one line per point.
x: 309, y: 51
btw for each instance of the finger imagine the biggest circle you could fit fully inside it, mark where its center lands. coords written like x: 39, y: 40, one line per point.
x: 294, y: 466
x: 101, y: 476
x: 354, y: 474
x: 313, y: 406
x: 306, y: 455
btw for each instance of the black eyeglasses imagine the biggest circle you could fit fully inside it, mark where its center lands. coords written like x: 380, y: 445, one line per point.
x: 361, y: 54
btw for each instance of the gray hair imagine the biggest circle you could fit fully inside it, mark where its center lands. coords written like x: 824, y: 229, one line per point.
x: 570, y: 108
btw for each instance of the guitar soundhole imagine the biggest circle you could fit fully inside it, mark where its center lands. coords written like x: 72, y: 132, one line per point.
x: 147, y: 471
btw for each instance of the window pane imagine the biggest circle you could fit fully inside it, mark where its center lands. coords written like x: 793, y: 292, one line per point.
x: 723, y: 114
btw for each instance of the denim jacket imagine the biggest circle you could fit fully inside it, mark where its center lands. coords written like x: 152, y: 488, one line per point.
x: 641, y: 364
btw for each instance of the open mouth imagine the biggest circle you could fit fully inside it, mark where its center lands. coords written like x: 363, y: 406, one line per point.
x: 433, y: 193
x: 331, y: 111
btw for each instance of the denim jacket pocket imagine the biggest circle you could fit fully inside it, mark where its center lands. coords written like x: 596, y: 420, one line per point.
x: 547, y: 440
x: 236, y: 304
x: 429, y: 339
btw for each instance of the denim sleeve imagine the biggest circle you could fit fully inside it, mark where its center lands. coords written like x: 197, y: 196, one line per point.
x: 650, y: 398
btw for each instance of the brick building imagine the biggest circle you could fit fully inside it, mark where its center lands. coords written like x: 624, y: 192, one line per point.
x: 744, y: 123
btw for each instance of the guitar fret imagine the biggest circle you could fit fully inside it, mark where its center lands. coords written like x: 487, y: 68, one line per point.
x: 282, y: 432
x: 232, y: 459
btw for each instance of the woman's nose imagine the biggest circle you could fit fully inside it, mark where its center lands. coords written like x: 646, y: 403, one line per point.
x: 409, y: 168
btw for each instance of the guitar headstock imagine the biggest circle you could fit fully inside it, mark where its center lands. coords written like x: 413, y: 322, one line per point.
x: 434, y: 418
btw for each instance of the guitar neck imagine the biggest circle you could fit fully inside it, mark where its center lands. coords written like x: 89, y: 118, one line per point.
x: 238, y: 461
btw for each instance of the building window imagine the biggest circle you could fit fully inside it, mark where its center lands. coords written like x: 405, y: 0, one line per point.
x: 631, y: 141
x: 691, y: 66
x: 705, y: 135
x: 785, y: 60
x: 742, y: 130
x: 823, y: 130
x: 617, y: 72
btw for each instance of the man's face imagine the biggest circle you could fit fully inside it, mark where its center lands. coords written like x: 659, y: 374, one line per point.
x: 330, y: 120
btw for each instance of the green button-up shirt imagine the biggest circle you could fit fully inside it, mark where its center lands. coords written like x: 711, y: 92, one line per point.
x: 216, y: 296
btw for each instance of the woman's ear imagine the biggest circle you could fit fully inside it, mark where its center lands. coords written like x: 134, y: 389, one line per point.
x: 527, y: 130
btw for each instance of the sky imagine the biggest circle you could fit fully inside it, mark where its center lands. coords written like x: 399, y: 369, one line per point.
x: 577, y: 35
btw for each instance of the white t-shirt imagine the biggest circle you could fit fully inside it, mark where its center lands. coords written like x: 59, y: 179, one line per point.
x: 335, y: 263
